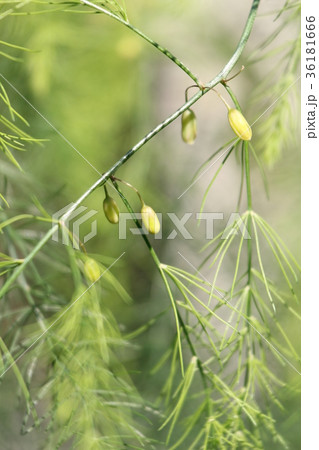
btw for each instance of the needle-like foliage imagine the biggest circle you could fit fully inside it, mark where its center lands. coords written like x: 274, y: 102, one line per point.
x: 230, y: 359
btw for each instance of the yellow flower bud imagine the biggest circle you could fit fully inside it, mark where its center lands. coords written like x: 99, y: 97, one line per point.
x: 150, y: 219
x: 92, y: 270
x: 189, y: 126
x: 111, y: 209
x: 239, y: 124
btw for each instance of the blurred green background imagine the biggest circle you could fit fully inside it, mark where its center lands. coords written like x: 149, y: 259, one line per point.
x: 103, y: 89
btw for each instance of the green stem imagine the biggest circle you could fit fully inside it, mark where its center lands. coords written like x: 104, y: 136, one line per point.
x: 139, y: 145
x: 159, y: 267
x: 199, y: 365
x: 131, y: 187
x: 242, y: 43
x: 146, y: 38
x: 249, y: 253
x: 232, y: 95
x: 247, y: 169
x: 27, y: 259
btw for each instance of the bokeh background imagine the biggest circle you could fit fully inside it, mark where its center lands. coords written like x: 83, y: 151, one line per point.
x: 103, y: 89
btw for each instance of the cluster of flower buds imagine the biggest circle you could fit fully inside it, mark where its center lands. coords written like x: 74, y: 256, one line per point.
x: 149, y: 217
x: 236, y: 120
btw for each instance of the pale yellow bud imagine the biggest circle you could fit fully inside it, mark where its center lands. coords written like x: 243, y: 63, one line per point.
x: 150, y: 219
x: 239, y: 124
x: 189, y: 126
x: 111, y: 209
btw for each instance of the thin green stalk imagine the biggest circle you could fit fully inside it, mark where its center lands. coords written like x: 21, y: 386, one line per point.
x: 237, y: 265
x: 23, y: 386
x: 213, y: 180
x: 163, y: 50
x: 249, y: 254
x: 205, y: 163
x: 261, y: 169
x: 262, y: 270
x: 241, y: 45
x: 158, y: 265
x: 248, y: 224
x: 232, y: 95
x: 6, y: 286
x: 130, y: 186
x: 176, y: 314
x: 247, y: 167
x: 224, y: 72
x: 180, y: 287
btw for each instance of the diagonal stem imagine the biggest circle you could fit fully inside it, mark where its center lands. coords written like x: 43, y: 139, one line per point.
x: 242, y: 42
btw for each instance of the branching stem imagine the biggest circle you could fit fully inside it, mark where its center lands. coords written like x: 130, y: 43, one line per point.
x: 100, y: 182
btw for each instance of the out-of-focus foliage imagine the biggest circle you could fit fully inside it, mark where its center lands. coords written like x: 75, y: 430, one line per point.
x: 96, y: 89
x: 278, y: 94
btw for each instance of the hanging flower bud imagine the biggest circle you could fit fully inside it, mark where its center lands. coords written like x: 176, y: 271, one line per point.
x: 150, y: 219
x: 239, y: 124
x: 92, y: 270
x: 111, y: 209
x: 189, y: 126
